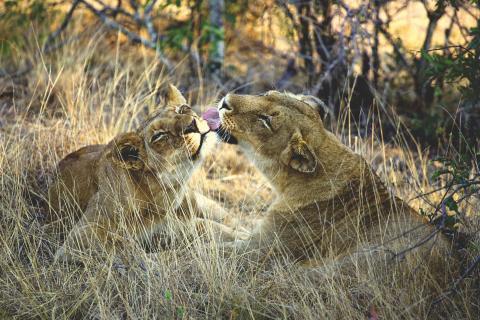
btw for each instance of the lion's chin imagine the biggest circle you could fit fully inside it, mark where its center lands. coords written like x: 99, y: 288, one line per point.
x: 206, y: 145
x: 226, y: 136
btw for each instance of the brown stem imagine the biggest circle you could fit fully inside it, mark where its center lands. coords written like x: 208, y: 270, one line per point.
x: 375, y: 56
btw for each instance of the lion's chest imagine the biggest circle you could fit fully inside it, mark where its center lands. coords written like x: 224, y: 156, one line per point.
x: 144, y: 204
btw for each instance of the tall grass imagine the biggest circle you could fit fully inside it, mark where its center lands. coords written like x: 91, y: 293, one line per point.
x: 86, y: 94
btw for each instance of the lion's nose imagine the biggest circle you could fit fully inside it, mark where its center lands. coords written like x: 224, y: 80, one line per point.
x: 225, y: 105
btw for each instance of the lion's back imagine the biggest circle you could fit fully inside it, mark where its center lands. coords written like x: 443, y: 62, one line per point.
x: 75, y: 183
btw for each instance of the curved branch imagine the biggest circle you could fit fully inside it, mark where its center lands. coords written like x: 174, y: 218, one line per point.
x: 62, y: 26
x: 104, y: 13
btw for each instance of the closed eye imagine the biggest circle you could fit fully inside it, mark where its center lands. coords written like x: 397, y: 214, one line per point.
x: 158, y: 136
x: 266, y: 120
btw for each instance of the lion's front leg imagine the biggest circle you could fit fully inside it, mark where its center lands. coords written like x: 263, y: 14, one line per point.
x: 93, y: 233
x: 206, y: 207
x: 219, y: 231
x: 78, y: 242
x: 208, y: 217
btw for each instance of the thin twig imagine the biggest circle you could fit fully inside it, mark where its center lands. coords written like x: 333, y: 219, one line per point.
x: 114, y: 11
x: 446, y: 47
x: 439, y: 228
x: 62, y: 26
x: 148, y: 22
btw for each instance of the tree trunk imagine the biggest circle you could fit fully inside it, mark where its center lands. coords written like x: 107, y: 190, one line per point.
x: 304, y: 13
x: 423, y: 89
x: 375, y: 55
x: 196, y: 52
x: 323, y: 36
x: 217, y: 42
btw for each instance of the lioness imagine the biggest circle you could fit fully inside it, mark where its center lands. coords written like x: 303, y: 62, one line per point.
x: 329, y: 202
x: 127, y: 187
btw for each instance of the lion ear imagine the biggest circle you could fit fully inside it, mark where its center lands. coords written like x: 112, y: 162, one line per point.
x: 128, y: 151
x: 298, y: 155
x: 316, y: 104
x: 174, y: 97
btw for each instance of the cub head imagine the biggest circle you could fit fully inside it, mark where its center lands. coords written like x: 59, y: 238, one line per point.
x: 171, y: 141
x: 274, y: 129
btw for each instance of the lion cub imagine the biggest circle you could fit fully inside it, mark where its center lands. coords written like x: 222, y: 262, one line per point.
x: 126, y: 188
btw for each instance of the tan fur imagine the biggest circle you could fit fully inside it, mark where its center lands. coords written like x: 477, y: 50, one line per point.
x: 126, y: 188
x: 75, y: 184
x: 329, y: 202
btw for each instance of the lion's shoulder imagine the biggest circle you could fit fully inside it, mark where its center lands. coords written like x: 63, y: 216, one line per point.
x: 76, y: 181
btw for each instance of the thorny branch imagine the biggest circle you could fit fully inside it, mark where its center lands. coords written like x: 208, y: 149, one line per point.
x: 463, y: 189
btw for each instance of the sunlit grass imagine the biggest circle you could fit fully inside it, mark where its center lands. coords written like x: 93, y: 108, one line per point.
x: 87, y: 94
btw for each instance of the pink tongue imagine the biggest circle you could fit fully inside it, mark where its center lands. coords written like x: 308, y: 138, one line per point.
x: 212, y: 117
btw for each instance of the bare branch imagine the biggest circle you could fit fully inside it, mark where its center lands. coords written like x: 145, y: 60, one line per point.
x: 149, y: 23
x: 149, y: 7
x: 375, y: 54
x: 133, y: 37
x: 134, y: 5
x: 114, y: 11
x: 433, y: 17
x: 62, y: 26
x: 107, y: 14
x: 448, y: 30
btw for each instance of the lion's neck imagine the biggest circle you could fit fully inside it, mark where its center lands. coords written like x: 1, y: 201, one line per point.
x: 337, y: 166
x: 163, y: 190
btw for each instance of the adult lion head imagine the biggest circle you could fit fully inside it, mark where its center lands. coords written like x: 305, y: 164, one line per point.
x: 283, y: 135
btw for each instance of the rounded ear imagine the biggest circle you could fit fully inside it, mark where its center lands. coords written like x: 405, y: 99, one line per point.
x: 298, y: 155
x: 316, y: 104
x: 128, y: 151
x: 174, y: 97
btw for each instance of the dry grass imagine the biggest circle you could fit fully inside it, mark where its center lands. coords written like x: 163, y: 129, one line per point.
x: 86, y: 95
